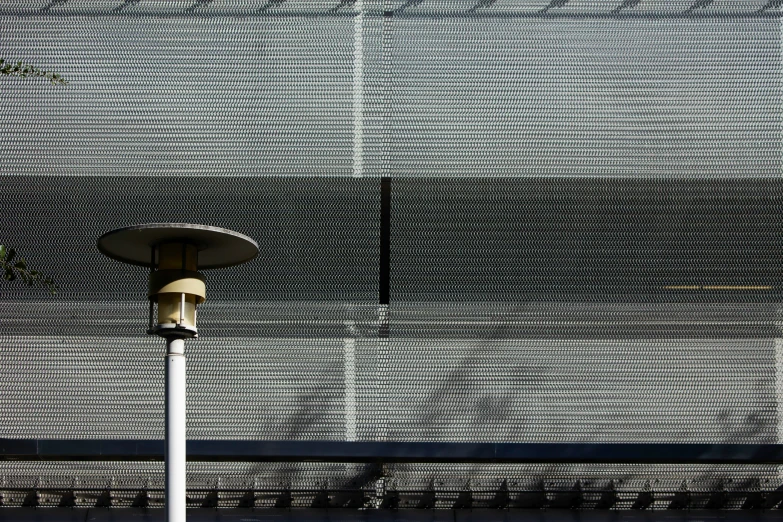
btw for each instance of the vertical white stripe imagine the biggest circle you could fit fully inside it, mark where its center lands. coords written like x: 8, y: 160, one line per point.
x: 779, y: 385
x: 349, y: 350
x: 358, y: 90
x: 381, y: 376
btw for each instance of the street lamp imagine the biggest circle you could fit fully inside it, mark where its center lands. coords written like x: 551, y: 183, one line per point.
x: 175, y: 252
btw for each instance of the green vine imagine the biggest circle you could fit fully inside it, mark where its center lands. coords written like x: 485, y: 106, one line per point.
x: 14, y: 268
x: 23, y: 70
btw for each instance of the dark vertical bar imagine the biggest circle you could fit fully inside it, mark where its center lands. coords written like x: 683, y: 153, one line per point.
x: 383, y: 283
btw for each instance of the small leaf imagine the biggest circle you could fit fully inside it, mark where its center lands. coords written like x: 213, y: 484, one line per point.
x: 2, y: 252
x: 10, y: 256
x: 21, y: 264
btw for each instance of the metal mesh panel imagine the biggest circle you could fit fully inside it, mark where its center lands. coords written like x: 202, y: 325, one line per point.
x: 194, y: 95
x: 318, y: 236
x: 625, y: 310
x: 576, y: 92
x: 78, y: 365
x: 93, y: 387
x: 583, y: 240
x: 586, y: 320
x: 433, y: 89
x: 583, y: 390
x: 590, y: 8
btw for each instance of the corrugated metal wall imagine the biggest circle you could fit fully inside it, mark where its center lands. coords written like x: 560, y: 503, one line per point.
x: 585, y: 218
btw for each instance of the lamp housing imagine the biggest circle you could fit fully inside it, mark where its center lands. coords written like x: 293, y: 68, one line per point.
x: 174, y: 253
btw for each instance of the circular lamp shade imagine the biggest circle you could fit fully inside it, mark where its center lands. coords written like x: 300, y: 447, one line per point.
x: 217, y: 247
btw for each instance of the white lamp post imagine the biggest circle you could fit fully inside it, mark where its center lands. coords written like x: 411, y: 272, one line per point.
x: 175, y: 252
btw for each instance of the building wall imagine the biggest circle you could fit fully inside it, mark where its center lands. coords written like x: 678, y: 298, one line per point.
x: 584, y: 236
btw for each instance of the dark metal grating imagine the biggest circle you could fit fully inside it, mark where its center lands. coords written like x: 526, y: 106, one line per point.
x: 340, y: 484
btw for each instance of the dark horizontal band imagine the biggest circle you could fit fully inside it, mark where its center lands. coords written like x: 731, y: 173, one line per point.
x: 342, y: 451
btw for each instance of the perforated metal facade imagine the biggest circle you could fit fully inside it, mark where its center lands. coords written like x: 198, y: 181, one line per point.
x: 583, y: 240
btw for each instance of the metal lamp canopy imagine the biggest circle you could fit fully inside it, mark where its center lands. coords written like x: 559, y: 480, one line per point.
x: 217, y: 247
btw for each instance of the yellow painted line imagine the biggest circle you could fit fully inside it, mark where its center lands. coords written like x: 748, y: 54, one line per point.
x: 738, y: 287
x: 718, y: 287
